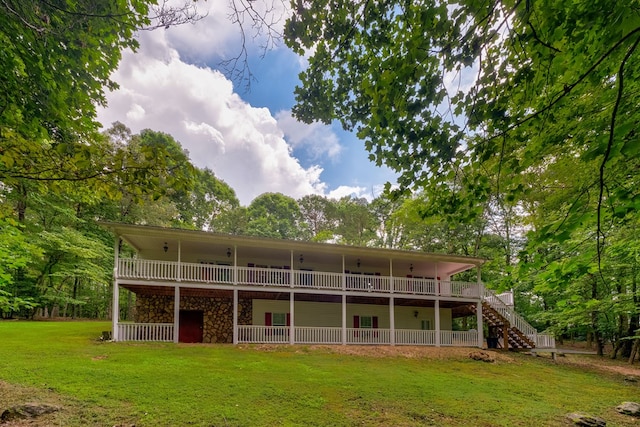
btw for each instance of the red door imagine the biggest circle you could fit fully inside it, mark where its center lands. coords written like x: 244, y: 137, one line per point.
x: 191, y: 324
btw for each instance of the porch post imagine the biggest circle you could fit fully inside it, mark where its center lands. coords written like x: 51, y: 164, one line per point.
x: 292, y: 329
x: 176, y: 313
x: 235, y: 265
x: 235, y: 316
x: 505, y: 335
x: 344, y: 319
x: 392, y: 321
x: 344, y: 275
x: 391, y: 275
x: 436, y: 308
x: 115, y: 314
x: 115, y: 309
x: 291, y: 275
x: 479, y: 322
x: 179, y: 272
x: 437, y: 280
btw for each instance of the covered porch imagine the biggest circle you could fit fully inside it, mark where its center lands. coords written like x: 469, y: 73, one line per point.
x: 184, y: 314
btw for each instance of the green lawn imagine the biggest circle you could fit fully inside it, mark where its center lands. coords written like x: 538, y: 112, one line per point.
x: 165, y: 384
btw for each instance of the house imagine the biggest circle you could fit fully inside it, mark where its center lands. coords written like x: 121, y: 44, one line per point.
x: 195, y: 286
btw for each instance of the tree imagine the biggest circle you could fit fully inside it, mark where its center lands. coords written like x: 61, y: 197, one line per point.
x: 544, y: 78
x: 277, y: 216
x: 473, y: 102
x: 319, y: 215
x: 357, y: 225
x: 210, y: 197
x: 57, y: 59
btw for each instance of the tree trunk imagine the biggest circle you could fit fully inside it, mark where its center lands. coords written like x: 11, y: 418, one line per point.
x: 75, y: 295
x: 635, y: 350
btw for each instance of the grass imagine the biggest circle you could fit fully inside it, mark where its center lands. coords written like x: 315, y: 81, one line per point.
x: 221, y: 385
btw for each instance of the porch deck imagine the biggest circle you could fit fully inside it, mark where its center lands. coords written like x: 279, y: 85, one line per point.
x: 251, y: 334
x: 221, y: 276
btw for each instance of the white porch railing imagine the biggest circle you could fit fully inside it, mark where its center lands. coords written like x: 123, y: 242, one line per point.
x: 145, y: 332
x: 250, y: 334
x: 415, y: 337
x: 317, y: 279
x: 208, y: 273
x: 263, y: 334
x: 367, y: 282
x: 368, y: 336
x: 318, y: 335
x: 545, y: 341
x: 133, y: 268
x: 260, y: 276
x: 414, y: 286
x: 142, y: 269
x: 459, y: 338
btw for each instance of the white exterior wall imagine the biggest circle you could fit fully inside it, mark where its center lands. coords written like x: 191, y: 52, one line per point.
x: 330, y: 314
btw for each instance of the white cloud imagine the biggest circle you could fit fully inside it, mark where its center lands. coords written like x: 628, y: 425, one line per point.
x: 316, y: 139
x: 346, y: 190
x: 243, y: 145
x: 217, y: 36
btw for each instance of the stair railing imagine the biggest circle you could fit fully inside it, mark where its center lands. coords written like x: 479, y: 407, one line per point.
x: 514, y: 319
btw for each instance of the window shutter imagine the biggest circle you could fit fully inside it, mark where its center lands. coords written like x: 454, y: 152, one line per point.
x: 267, y: 319
x: 356, y: 321
x: 288, y: 319
x: 374, y: 321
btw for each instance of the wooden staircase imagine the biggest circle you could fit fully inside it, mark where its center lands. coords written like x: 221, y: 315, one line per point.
x: 502, y: 328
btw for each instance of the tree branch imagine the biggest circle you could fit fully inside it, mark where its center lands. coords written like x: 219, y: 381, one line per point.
x: 600, y: 235
x: 568, y: 88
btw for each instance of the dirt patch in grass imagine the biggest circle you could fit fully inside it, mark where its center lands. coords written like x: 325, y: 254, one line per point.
x: 386, y: 351
x: 71, y: 411
x: 12, y: 395
x: 603, y: 364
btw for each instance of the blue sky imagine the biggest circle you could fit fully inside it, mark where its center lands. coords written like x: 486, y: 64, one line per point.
x: 248, y: 138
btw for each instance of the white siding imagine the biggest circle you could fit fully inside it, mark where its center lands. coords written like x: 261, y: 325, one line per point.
x: 330, y: 314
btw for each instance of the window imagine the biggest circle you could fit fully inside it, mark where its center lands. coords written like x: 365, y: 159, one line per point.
x: 279, y: 319
x: 425, y: 325
x: 366, y: 322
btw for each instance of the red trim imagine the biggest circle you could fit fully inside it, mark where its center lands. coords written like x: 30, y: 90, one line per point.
x: 288, y: 319
x: 267, y: 319
x: 374, y: 322
x: 356, y: 321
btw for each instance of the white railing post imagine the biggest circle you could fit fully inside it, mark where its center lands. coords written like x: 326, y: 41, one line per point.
x: 235, y: 316
x: 235, y: 265
x: 479, y: 323
x: 179, y: 267
x: 437, y: 321
x: 391, y: 284
x: 392, y: 322
x: 292, y: 328
x: 344, y: 319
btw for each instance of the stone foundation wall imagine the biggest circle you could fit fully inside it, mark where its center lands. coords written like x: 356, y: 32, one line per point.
x: 218, y: 313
